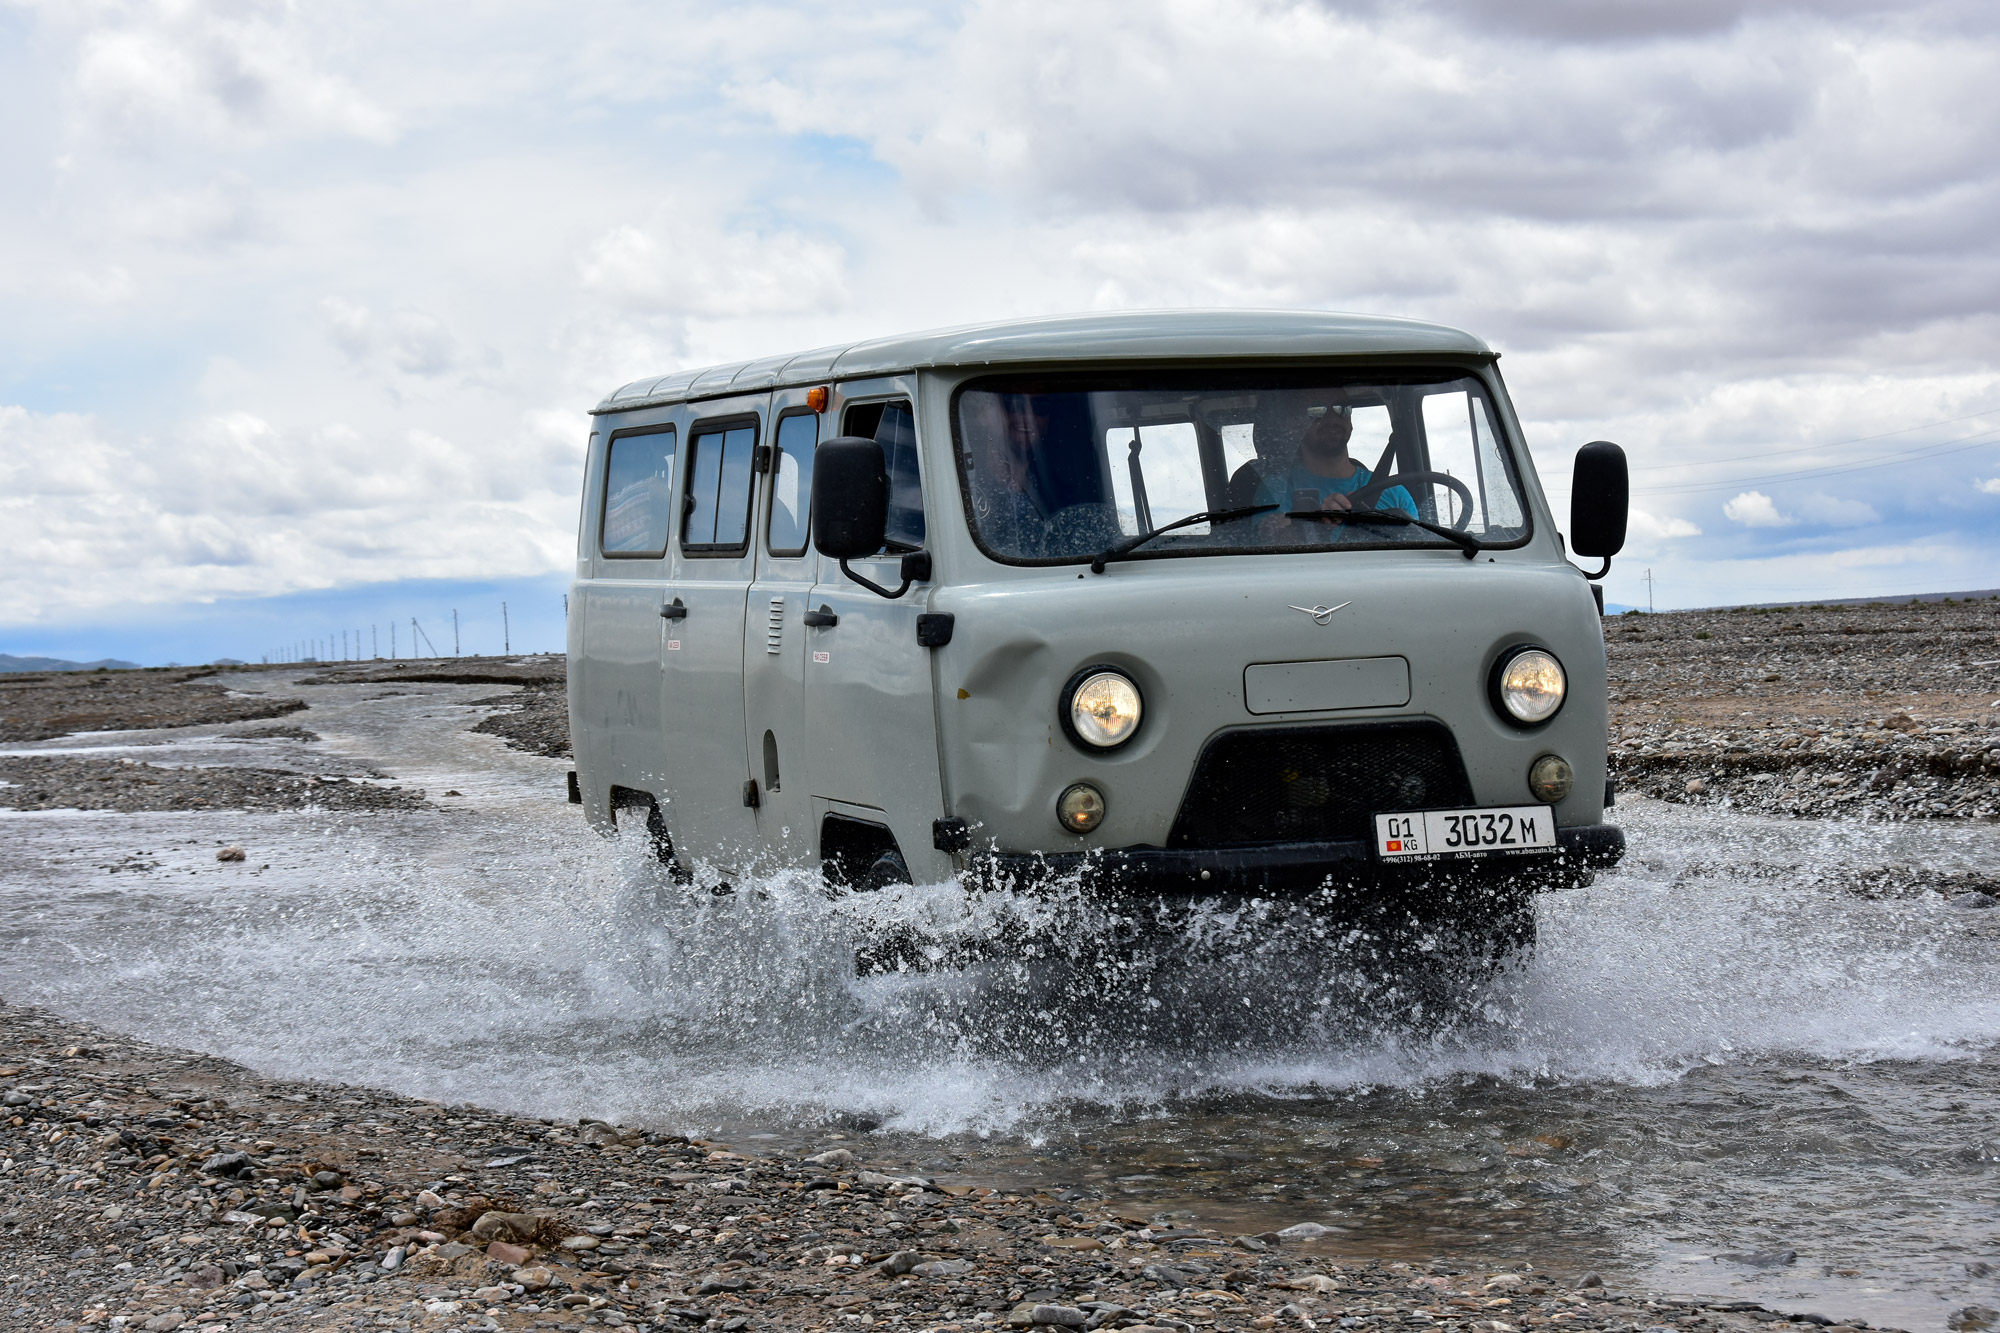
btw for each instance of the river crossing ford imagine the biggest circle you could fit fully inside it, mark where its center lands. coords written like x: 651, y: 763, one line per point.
x: 1751, y: 1066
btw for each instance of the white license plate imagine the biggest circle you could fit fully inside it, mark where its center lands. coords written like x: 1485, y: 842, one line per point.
x: 1457, y: 835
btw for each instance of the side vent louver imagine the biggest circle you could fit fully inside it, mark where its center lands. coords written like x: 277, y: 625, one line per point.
x: 774, y: 632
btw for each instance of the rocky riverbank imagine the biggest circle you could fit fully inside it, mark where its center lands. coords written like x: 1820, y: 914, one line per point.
x: 1883, y: 711
x: 65, y: 782
x: 151, y: 1189
x: 37, y: 706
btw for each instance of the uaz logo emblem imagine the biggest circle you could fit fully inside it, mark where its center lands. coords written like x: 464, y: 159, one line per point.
x: 1321, y: 614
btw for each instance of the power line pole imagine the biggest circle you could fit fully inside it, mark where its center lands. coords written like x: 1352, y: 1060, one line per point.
x: 1649, y: 590
x: 415, y: 630
x: 374, y: 644
x: 454, y: 632
x: 506, y: 633
x: 392, y: 641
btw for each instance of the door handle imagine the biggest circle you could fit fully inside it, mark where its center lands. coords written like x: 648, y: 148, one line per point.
x: 674, y: 611
x: 823, y: 618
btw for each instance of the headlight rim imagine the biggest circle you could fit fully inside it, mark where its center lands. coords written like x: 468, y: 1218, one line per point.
x: 1497, y: 695
x: 1068, y: 694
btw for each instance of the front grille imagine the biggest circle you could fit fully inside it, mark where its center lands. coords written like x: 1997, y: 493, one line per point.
x: 1317, y: 784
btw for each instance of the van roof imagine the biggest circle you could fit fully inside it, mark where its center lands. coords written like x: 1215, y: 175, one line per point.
x: 1126, y: 335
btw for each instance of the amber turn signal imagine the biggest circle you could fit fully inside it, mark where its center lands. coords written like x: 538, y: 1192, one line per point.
x: 1080, y: 808
x: 816, y: 398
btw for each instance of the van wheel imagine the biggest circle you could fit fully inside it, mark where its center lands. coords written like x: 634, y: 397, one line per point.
x: 657, y: 838
x: 887, y: 869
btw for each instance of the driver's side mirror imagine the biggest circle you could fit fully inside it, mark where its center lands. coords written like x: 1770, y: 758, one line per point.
x: 1600, y: 495
x: 850, y: 497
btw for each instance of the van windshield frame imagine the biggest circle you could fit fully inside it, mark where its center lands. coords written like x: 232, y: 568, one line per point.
x: 1054, y: 468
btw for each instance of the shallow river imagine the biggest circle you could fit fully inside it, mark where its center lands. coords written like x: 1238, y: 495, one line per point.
x: 1724, y: 1071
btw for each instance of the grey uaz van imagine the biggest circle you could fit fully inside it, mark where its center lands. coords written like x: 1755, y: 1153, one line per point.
x: 1165, y: 603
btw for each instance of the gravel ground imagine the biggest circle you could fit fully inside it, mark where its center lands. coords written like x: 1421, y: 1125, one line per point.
x: 153, y: 1189
x: 62, y: 782
x: 1882, y: 711
x: 41, y: 705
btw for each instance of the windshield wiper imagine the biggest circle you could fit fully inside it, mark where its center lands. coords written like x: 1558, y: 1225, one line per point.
x: 1131, y: 544
x: 1470, y: 545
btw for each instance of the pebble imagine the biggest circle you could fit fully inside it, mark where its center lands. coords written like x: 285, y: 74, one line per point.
x: 630, y: 1237
x: 1848, y: 711
x: 1304, y: 1231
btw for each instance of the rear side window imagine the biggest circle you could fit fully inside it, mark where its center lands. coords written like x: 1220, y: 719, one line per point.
x: 792, y: 484
x: 718, y: 491
x: 638, y: 495
x: 894, y: 425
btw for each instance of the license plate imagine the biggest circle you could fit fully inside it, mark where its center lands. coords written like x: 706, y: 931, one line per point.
x: 1458, y: 835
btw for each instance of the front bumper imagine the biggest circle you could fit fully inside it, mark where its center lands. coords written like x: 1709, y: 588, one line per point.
x: 1285, y: 866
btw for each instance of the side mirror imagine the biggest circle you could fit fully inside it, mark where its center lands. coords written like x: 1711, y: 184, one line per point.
x: 850, y: 498
x: 850, y: 509
x: 1600, y: 495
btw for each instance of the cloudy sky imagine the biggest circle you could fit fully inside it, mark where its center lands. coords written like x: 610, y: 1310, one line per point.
x: 302, y: 304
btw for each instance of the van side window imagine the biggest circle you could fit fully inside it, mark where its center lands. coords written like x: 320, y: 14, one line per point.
x: 638, y: 495
x: 894, y: 425
x: 718, y: 491
x: 792, y: 484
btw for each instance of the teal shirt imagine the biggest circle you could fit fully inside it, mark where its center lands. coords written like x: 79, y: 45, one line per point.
x: 1278, y: 490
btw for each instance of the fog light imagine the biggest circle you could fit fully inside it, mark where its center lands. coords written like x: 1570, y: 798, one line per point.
x: 1080, y: 808
x: 1550, y: 778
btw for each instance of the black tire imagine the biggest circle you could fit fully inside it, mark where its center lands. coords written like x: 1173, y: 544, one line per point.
x: 887, y: 869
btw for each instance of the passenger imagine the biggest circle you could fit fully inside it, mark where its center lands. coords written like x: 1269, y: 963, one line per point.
x: 1324, y: 466
x: 1007, y: 433
x: 1003, y: 431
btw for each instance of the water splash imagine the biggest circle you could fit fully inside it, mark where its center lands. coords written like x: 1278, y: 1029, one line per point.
x: 1738, y: 998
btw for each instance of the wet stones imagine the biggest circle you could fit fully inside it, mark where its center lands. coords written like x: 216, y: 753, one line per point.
x: 423, y: 1235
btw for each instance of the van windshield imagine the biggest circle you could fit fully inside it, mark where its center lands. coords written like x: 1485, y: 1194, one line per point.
x: 1057, y: 471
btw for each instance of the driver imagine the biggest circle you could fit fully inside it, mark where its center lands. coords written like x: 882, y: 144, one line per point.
x: 1323, y: 466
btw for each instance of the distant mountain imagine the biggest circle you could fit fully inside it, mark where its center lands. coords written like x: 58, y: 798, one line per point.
x: 9, y: 662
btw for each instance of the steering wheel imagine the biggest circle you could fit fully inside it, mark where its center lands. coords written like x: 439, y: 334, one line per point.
x: 1367, y: 495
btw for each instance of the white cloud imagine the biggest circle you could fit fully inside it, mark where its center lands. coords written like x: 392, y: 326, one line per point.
x: 1990, y: 486
x: 1754, y: 509
x: 234, y: 506
x: 1659, y: 527
x: 271, y: 259
x: 410, y: 341
x: 1822, y: 508
x: 245, y: 71
x: 673, y: 265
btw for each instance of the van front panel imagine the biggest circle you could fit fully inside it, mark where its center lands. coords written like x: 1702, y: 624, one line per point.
x: 1186, y: 632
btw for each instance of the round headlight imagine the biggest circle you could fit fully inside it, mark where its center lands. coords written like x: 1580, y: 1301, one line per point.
x: 1531, y: 686
x: 1550, y: 778
x: 1080, y: 808
x: 1104, y: 708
